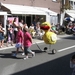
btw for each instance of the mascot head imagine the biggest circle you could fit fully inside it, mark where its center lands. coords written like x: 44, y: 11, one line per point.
x: 45, y: 26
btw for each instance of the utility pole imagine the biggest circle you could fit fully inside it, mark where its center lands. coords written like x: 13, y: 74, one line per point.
x: 62, y: 11
x: 64, y: 5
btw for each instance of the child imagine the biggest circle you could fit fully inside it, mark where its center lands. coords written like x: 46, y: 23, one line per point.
x: 72, y: 64
x: 27, y: 43
x: 19, y: 41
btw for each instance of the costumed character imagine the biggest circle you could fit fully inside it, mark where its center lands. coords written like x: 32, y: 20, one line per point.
x: 48, y: 37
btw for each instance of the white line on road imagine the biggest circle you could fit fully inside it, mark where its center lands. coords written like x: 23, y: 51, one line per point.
x: 66, y: 48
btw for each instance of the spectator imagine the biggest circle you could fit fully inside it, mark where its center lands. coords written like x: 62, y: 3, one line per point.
x: 25, y: 25
x: 21, y: 24
x: 38, y: 29
x: 39, y: 32
x: 15, y: 25
x: 58, y: 27
x: 73, y: 28
x: 32, y: 26
x: 1, y: 35
x: 34, y: 23
x: 53, y: 28
x: 9, y: 27
x: 32, y: 30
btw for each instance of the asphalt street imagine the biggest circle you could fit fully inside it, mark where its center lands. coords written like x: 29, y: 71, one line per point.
x: 44, y: 63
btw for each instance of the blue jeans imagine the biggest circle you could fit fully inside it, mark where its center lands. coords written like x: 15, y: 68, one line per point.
x: 27, y: 50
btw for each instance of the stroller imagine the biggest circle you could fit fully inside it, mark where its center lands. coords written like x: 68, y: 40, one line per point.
x: 47, y: 49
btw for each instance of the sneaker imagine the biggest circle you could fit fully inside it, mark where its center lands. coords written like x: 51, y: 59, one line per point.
x: 14, y: 54
x: 23, y: 53
x: 25, y: 58
x: 33, y: 54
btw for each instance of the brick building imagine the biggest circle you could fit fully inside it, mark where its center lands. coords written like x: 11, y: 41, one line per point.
x: 53, y: 5
x: 49, y: 10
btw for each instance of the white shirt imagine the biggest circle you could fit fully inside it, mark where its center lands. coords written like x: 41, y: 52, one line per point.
x: 32, y: 27
x: 15, y: 29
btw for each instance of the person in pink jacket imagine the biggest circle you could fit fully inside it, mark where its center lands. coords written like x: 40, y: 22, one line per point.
x: 27, y: 43
x: 19, y: 40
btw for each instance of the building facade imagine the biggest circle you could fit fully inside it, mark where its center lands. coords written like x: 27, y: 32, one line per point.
x: 72, y: 4
x: 53, y: 5
x: 71, y: 12
x: 28, y: 10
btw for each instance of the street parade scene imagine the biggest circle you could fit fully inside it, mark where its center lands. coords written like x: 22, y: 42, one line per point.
x: 37, y: 37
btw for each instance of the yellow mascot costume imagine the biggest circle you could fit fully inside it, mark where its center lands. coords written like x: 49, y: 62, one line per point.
x: 48, y: 37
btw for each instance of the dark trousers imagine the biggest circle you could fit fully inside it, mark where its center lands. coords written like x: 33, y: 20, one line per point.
x: 27, y: 50
x: 15, y: 34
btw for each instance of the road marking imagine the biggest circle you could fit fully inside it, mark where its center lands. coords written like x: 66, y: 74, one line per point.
x: 9, y: 69
x: 38, y: 42
x: 66, y: 48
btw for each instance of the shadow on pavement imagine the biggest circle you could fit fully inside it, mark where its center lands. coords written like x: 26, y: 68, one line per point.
x: 9, y: 55
x: 37, y: 51
x: 59, y: 66
x: 69, y: 37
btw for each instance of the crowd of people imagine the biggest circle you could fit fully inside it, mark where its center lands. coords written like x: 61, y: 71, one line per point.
x: 11, y: 31
x: 71, y: 28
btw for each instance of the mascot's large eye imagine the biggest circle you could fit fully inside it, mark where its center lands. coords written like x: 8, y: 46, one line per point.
x: 54, y: 37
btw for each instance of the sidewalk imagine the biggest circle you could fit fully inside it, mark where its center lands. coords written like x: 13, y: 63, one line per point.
x: 34, y: 41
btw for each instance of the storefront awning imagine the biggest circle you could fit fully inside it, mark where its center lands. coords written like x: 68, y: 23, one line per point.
x: 71, y: 13
x: 19, y: 9
x: 46, y: 10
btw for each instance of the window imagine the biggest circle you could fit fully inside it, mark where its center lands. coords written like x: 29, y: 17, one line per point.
x: 71, y: 4
x: 54, y: 0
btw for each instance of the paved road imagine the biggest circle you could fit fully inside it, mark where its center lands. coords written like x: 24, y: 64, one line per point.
x: 43, y: 63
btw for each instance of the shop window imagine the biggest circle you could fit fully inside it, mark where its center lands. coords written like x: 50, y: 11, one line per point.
x: 54, y: 0
x: 71, y: 2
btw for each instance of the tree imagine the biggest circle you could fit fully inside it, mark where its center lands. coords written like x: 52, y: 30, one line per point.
x: 64, y: 4
x: 67, y: 4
